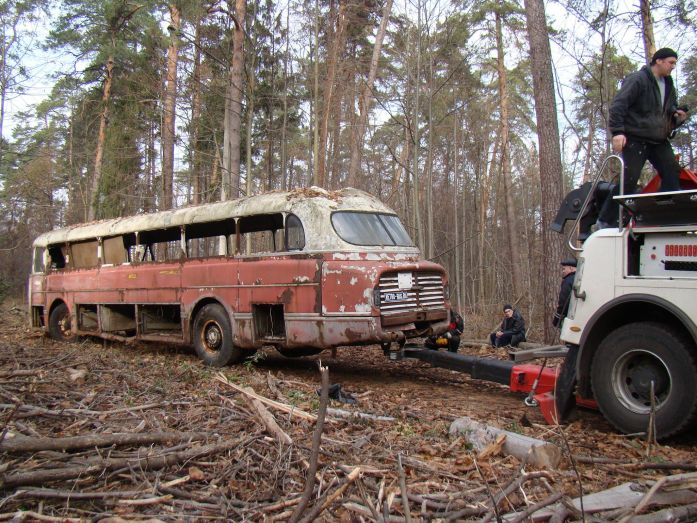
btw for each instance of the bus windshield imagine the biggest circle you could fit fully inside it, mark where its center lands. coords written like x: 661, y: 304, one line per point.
x: 362, y: 228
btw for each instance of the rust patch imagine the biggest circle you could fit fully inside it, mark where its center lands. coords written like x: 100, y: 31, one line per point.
x: 286, y: 296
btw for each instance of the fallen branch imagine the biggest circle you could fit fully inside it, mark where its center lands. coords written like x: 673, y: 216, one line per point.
x: 685, y: 480
x: 316, y: 442
x: 271, y: 403
x: 98, y: 465
x: 522, y: 516
x: 27, y: 444
x: 339, y: 413
x: 267, y: 418
x: 403, y: 489
x: 641, y: 465
x: 44, y: 493
x: 322, y: 506
x: 669, y: 515
x: 22, y: 515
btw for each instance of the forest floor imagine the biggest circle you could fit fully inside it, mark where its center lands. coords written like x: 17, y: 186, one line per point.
x: 106, y: 431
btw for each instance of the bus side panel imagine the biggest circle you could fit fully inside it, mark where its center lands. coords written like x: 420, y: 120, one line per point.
x: 294, y: 284
x: 142, y: 283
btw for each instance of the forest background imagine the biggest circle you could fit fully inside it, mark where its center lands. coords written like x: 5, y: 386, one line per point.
x: 453, y: 113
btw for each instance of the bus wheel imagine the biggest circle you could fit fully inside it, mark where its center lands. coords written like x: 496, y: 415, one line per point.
x: 213, y: 337
x: 628, y: 360
x: 59, y: 324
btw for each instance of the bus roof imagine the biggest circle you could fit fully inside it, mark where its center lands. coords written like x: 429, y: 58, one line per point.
x: 306, y: 203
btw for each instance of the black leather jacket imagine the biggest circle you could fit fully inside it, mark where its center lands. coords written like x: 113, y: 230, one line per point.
x: 513, y: 325
x: 637, y: 111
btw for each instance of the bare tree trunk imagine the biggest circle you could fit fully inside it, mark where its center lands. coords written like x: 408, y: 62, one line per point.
x: 647, y: 29
x: 511, y: 216
x: 285, y: 107
x: 101, y: 139
x: 169, y: 108
x: 328, y: 91
x: 589, y: 151
x: 315, y: 100
x: 429, y: 168
x: 230, y: 186
x: 196, y: 119
x: 550, y: 155
x: 415, y: 169
x: 367, y: 98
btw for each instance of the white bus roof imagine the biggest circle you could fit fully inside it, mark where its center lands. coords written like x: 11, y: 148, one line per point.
x: 307, y: 203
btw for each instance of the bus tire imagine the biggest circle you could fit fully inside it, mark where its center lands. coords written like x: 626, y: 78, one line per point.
x: 213, y: 337
x: 626, y: 363
x: 59, y: 323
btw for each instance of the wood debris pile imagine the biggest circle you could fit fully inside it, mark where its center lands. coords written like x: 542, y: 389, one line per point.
x: 93, y: 431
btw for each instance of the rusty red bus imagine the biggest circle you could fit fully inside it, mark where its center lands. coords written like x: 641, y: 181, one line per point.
x: 302, y: 270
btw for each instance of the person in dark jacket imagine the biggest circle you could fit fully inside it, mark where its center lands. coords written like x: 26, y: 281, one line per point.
x: 643, y: 116
x: 511, y: 331
x: 568, y: 273
x: 451, y: 338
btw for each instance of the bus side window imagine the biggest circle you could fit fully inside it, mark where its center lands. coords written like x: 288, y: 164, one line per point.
x: 39, y: 259
x: 114, y: 251
x: 55, y: 253
x: 259, y: 233
x: 295, y: 234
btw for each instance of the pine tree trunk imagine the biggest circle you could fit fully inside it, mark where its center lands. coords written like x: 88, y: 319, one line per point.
x: 511, y: 216
x: 101, y: 139
x: 550, y: 154
x: 367, y: 99
x: 169, y: 109
x: 337, y: 46
x: 230, y: 186
x: 647, y: 29
x: 196, y: 173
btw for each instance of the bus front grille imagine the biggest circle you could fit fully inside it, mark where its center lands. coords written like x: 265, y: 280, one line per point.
x: 425, y: 293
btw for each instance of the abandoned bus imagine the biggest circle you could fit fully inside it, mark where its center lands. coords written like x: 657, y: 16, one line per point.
x: 302, y: 271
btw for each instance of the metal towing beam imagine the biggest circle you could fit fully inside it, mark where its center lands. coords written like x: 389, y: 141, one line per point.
x: 552, y: 391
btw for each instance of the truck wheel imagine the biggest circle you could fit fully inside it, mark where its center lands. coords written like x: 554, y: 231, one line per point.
x: 626, y: 363
x: 59, y: 324
x: 213, y: 337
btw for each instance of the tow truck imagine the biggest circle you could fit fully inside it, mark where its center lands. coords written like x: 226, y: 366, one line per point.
x: 629, y: 340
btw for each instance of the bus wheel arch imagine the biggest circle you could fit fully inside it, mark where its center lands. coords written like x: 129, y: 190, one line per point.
x: 213, y: 336
x: 60, y: 322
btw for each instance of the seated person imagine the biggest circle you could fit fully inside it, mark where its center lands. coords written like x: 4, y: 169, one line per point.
x: 451, y: 338
x: 511, y: 331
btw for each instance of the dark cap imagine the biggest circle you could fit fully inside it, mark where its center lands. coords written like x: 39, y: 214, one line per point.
x: 507, y: 306
x: 569, y: 262
x: 665, y: 52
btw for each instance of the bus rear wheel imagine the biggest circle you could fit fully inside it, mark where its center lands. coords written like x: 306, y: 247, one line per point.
x: 628, y: 361
x: 59, y: 324
x: 213, y: 337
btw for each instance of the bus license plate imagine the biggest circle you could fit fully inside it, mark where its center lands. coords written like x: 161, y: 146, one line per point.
x: 396, y: 296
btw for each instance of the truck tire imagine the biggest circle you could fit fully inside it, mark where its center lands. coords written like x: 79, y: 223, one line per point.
x: 213, y: 337
x: 626, y: 362
x: 59, y: 323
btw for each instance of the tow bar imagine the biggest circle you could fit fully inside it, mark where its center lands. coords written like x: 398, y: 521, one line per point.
x: 538, y: 382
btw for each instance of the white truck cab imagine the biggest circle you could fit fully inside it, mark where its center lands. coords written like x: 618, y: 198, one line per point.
x: 633, y: 316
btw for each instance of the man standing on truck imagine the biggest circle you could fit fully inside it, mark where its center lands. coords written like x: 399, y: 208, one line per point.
x: 568, y: 273
x: 643, y: 116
